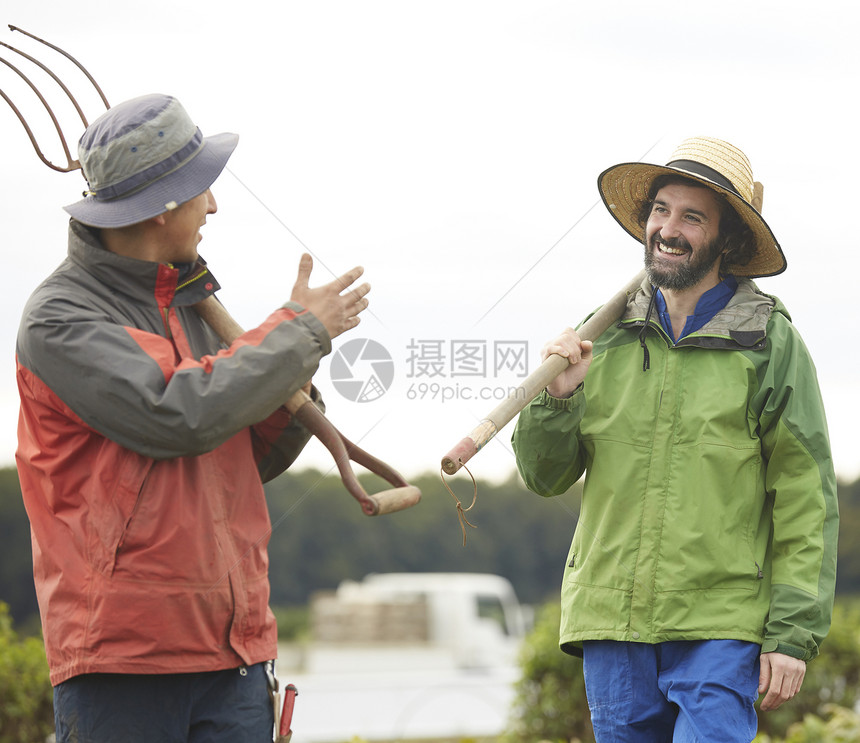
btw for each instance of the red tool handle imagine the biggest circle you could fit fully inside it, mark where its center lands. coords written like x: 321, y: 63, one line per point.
x: 285, y: 729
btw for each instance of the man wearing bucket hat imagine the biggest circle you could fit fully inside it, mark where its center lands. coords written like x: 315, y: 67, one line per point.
x: 144, y: 443
x: 702, y: 569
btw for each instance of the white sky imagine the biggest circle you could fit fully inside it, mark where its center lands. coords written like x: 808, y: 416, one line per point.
x: 447, y: 147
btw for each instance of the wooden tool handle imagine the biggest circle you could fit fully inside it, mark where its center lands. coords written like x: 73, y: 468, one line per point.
x: 228, y: 330
x: 342, y: 449
x: 554, y: 365
x: 396, y: 499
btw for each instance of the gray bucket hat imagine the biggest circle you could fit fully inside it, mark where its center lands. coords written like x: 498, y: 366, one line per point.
x: 145, y: 157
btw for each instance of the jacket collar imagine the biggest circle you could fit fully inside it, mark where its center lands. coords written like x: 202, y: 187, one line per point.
x: 743, y: 321
x: 140, y: 280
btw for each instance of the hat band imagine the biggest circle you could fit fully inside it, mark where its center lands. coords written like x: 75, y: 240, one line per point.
x: 691, y: 166
x: 152, y: 173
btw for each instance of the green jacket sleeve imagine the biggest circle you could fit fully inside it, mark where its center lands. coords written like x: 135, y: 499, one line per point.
x: 801, y: 482
x: 546, y: 442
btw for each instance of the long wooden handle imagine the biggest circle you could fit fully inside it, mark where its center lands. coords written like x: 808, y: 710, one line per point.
x: 228, y: 330
x: 554, y: 365
x: 303, y: 408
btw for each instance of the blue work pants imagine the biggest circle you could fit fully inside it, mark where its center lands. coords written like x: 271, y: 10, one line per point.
x: 679, y: 692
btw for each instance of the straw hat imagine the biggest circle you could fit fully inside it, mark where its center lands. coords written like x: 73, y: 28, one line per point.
x: 713, y: 163
x: 145, y: 157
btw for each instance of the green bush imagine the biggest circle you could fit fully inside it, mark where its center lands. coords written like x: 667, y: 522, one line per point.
x: 550, y: 702
x: 831, y: 679
x: 27, y: 709
x: 840, y: 725
x: 293, y: 623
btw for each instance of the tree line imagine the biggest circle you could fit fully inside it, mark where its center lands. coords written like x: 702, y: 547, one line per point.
x: 320, y: 536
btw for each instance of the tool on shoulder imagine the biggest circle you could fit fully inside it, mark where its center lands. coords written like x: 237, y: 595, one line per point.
x: 554, y: 365
x: 402, y: 495
x: 519, y: 398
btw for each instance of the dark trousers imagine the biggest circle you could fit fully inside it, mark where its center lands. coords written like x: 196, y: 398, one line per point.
x: 214, y: 707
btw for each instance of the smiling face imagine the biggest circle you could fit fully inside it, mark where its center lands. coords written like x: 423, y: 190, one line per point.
x: 682, y: 249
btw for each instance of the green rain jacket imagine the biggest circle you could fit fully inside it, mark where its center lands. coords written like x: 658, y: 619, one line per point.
x: 709, y: 505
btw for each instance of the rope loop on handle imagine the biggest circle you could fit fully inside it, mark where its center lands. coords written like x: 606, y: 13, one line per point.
x: 461, y: 512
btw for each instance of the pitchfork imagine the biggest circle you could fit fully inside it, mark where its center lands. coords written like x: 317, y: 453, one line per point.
x: 213, y: 313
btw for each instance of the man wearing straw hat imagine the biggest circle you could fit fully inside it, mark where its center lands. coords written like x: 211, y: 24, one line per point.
x: 143, y: 445
x: 702, y: 569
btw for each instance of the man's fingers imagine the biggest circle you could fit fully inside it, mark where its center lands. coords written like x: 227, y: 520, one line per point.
x: 568, y: 345
x: 336, y: 304
x: 359, y: 292
x: 764, y: 675
x: 349, y: 278
x: 587, y: 347
x: 360, y: 306
x: 782, y: 677
x: 780, y: 691
x: 556, y: 348
x: 774, y: 696
x: 767, y: 703
x: 306, y: 265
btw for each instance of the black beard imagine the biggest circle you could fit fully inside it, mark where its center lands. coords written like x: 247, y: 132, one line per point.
x: 684, y: 275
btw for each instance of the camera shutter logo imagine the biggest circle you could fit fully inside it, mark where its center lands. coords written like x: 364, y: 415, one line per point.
x: 362, y: 370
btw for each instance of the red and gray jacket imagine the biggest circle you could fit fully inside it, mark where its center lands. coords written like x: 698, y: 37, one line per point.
x: 143, y: 446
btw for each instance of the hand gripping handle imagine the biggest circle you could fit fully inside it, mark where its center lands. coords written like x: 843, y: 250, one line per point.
x: 554, y: 365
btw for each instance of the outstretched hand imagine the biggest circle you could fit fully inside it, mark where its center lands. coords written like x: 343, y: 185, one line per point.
x: 781, y: 677
x: 336, y: 305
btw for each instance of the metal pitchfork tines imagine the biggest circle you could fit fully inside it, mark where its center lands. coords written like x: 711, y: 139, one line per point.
x: 71, y: 163
x: 398, y: 498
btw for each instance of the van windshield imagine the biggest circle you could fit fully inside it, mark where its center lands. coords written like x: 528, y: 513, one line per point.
x: 490, y: 607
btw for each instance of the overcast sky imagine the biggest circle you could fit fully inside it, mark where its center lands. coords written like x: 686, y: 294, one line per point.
x: 452, y: 148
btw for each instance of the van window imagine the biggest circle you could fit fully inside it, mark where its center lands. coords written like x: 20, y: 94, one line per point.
x: 490, y: 607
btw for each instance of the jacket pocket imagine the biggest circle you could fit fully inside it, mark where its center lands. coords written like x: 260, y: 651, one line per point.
x: 113, y: 503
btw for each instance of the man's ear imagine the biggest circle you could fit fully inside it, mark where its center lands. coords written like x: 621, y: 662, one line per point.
x: 159, y: 219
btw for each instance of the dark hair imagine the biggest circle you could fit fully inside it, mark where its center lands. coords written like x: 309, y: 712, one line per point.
x: 738, y: 241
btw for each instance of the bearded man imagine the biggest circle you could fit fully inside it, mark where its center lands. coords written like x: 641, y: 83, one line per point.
x: 702, y: 569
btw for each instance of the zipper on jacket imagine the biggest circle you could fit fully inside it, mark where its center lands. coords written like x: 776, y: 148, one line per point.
x: 192, y: 279
x: 760, y: 575
x: 165, y: 312
x: 122, y: 537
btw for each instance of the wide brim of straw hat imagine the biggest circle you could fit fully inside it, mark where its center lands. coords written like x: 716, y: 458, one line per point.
x: 624, y: 188
x: 181, y: 185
